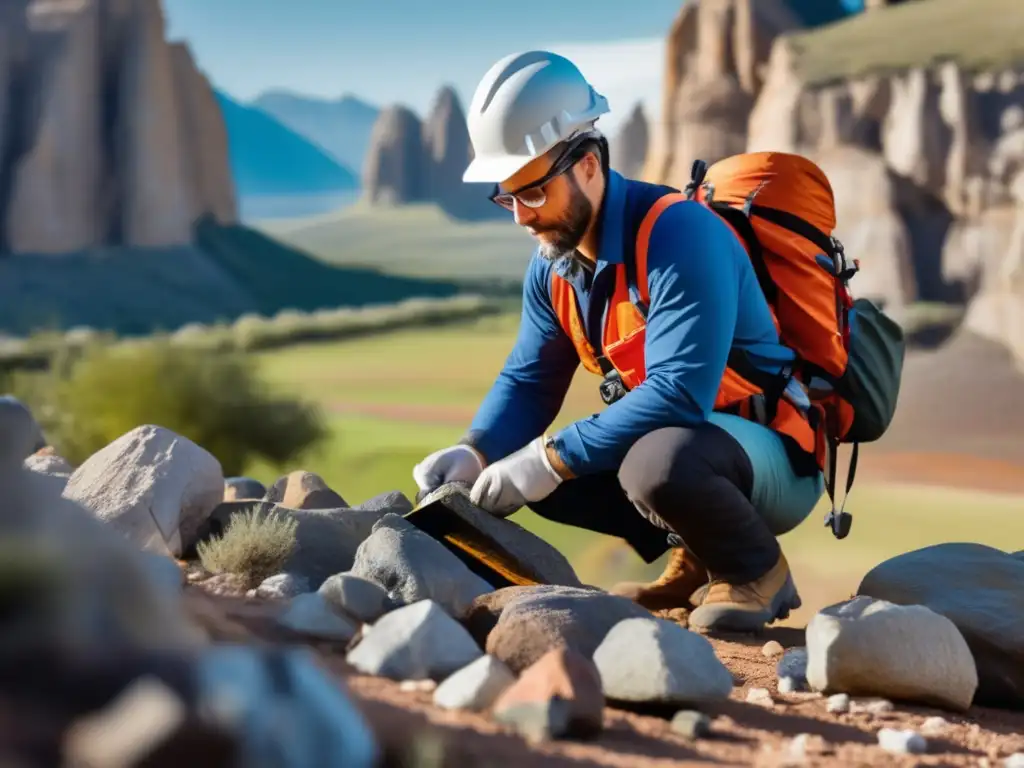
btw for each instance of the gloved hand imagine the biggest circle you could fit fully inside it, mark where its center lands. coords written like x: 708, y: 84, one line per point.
x: 506, y: 485
x: 459, y: 463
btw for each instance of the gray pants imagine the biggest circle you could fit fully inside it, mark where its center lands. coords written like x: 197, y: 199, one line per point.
x: 726, y: 489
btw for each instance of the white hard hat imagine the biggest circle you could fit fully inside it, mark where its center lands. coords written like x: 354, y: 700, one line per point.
x: 526, y: 104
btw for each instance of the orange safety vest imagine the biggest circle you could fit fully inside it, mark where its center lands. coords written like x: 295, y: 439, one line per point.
x: 624, y: 333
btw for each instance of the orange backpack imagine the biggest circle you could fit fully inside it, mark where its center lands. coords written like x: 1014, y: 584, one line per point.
x: 849, y: 353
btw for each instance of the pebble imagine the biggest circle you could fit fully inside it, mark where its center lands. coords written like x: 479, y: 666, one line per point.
x: 788, y: 685
x: 761, y: 697
x: 801, y: 745
x: 872, y: 707
x: 476, y: 686
x: 418, y: 686
x: 838, y: 703
x: 904, y: 742
x: 934, y: 726
x: 772, y: 649
x: 1015, y: 760
x: 537, y: 721
x: 691, y: 724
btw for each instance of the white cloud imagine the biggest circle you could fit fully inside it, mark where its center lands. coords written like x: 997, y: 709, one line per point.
x: 624, y: 72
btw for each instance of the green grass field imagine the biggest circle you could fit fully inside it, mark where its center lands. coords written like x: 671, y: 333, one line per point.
x: 392, y: 399
x: 976, y: 34
x: 414, y: 240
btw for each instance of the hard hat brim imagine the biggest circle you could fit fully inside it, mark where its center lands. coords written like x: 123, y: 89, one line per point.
x: 495, y: 169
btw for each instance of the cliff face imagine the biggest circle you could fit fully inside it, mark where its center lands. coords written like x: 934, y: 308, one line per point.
x: 629, y: 148
x: 926, y: 161
x: 414, y: 161
x: 712, y: 78
x: 109, y: 135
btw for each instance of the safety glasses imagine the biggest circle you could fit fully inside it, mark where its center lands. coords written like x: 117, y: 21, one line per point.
x: 532, y: 195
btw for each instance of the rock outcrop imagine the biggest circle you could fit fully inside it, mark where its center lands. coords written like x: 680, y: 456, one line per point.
x: 109, y: 134
x: 925, y: 160
x: 712, y: 77
x: 629, y: 148
x: 422, y: 161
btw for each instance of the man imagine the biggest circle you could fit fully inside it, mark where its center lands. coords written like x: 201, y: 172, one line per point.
x: 659, y: 467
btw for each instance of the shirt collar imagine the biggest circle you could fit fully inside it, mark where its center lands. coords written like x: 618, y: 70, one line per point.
x: 612, y: 220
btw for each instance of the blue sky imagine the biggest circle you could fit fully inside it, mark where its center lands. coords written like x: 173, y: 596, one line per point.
x: 404, y: 50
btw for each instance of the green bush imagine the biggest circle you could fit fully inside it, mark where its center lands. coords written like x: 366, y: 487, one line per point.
x: 253, y: 546
x: 93, y: 395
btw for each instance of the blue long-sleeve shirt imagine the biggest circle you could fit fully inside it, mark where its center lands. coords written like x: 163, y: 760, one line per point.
x: 704, y: 300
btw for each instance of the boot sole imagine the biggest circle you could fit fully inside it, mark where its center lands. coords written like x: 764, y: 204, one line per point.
x: 723, y: 618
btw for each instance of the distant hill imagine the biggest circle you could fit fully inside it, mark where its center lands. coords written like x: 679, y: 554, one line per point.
x: 269, y: 159
x: 230, y: 271
x: 340, y: 127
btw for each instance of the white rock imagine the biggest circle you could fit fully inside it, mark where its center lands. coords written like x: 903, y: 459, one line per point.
x: 656, y: 660
x: 788, y: 685
x: 418, y: 686
x: 872, y: 647
x: 934, y: 726
x: 872, y: 707
x: 838, y: 703
x: 282, y: 586
x: 902, y: 741
x: 358, y: 597
x: 414, y: 642
x: 760, y: 697
x: 152, y: 485
x: 309, y: 614
x: 476, y: 686
x: 772, y: 649
x: 1016, y: 760
x: 165, y: 573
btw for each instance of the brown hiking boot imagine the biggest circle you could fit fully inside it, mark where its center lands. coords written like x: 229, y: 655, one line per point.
x: 683, y: 575
x: 747, y: 607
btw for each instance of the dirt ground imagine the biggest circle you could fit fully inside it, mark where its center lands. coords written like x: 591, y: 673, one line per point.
x: 413, y: 732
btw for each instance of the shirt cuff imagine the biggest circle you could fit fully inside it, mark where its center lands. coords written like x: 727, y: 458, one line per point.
x: 572, y: 450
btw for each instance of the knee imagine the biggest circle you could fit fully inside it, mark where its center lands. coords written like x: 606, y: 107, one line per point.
x: 663, y: 466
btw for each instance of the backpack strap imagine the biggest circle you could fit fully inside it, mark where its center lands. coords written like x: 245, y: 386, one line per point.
x: 772, y: 385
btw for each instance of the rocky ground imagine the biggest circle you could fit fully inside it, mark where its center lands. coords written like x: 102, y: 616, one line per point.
x: 369, y: 640
x: 792, y: 728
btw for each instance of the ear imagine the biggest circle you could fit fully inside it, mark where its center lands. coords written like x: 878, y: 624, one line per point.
x: 590, y: 166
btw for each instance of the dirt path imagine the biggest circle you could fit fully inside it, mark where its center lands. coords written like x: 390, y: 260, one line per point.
x: 742, y: 734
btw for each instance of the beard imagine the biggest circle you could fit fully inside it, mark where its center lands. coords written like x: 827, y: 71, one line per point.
x: 565, y: 235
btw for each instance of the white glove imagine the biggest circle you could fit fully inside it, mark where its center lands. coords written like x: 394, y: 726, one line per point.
x: 459, y: 463
x: 506, y: 485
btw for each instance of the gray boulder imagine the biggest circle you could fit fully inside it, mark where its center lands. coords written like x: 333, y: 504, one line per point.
x: 869, y: 647
x: 657, y: 661
x: 357, y: 597
x: 519, y: 625
x: 282, y: 586
x: 326, y: 539
x: 20, y: 434
x: 981, y: 590
x: 416, y: 642
x: 309, y: 614
x: 153, y: 486
x: 283, y: 707
x: 412, y: 566
x: 241, y: 488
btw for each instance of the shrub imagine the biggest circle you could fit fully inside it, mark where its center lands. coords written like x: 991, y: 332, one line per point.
x: 253, y: 546
x: 216, y: 399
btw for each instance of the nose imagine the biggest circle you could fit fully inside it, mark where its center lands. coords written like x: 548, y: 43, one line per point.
x: 523, y: 214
